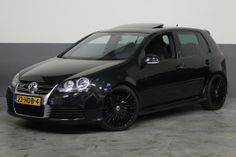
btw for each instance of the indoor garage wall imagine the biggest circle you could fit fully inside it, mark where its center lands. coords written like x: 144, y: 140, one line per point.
x: 33, y: 30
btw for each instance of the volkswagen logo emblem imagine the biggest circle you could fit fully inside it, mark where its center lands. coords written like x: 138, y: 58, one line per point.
x: 33, y: 87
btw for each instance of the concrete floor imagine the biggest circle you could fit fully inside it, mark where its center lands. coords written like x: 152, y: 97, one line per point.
x: 183, y: 132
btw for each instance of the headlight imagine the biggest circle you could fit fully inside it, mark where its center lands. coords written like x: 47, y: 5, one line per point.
x: 79, y: 85
x: 15, y: 80
x: 68, y: 86
x: 82, y: 84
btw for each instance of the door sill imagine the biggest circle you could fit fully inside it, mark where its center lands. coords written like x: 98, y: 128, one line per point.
x: 166, y: 106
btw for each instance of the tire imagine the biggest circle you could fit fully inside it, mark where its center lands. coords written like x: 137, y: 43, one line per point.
x: 216, y: 92
x: 120, y: 109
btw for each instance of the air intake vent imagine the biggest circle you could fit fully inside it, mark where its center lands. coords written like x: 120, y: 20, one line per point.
x: 66, y: 112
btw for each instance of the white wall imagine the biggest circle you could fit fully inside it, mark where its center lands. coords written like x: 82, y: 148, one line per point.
x: 58, y: 21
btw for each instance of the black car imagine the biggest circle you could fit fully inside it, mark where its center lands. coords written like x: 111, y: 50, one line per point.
x: 111, y: 77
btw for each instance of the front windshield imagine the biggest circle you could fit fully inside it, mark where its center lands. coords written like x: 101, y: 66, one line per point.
x: 106, y: 46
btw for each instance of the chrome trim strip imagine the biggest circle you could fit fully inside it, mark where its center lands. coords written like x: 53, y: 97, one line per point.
x: 47, y: 111
x: 47, y: 108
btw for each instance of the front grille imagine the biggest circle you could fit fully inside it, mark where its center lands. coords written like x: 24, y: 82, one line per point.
x: 42, y: 88
x: 66, y: 112
x: 29, y: 110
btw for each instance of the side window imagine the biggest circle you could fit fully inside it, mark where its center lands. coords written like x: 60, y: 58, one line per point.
x: 165, y: 39
x: 162, y: 46
x: 203, y: 44
x: 189, y: 43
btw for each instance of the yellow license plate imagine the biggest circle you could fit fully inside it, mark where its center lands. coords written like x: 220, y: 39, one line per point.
x: 28, y: 100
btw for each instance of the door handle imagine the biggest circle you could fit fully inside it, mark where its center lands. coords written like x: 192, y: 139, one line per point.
x: 207, y: 61
x: 179, y: 67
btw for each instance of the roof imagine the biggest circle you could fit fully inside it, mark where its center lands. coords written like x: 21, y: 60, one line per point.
x: 145, y: 28
x: 136, y: 28
x: 141, y: 25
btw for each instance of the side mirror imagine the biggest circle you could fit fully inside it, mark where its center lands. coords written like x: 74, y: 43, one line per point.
x: 152, y: 59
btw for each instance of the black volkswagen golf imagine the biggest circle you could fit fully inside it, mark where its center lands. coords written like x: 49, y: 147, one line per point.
x: 111, y: 77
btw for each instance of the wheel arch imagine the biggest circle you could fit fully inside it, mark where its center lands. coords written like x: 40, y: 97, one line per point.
x: 129, y: 85
x: 209, y: 78
x: 220, y: 73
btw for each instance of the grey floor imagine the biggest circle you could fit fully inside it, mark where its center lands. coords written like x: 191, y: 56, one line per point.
x: 184, y: 132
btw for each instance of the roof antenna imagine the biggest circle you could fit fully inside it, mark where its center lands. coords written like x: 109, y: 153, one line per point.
x: 177, y: 25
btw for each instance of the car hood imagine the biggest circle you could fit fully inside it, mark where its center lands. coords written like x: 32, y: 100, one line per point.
x: 56, y: 70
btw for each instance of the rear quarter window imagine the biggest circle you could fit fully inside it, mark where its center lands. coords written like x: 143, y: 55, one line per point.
x: 204, y: 46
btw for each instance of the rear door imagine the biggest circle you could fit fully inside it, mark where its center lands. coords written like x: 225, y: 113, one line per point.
x: 162, y: 82
x: 194, y: 53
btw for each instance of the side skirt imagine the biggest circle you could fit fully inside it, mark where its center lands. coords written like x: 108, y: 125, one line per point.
x: 157, y: 108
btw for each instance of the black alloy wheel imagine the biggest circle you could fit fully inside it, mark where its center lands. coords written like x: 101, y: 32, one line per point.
x: 216, y: 93
x: 120, y: 109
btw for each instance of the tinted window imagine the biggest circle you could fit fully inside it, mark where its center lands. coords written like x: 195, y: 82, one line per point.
x: 165, y: 39
x: 189, y: 43
x: 203, y: 44
x: 188, y: 38
x: 162, y: 46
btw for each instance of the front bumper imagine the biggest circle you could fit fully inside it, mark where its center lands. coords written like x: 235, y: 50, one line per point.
x: 82, y: 108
